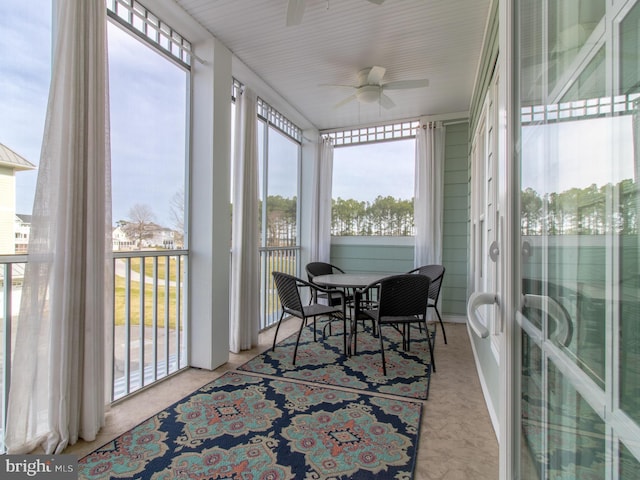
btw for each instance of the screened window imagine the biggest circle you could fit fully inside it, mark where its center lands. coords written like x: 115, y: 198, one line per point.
x: 148, y: 102
x: 278, y: 142
x: 282, y: 191
x: 373, y: 185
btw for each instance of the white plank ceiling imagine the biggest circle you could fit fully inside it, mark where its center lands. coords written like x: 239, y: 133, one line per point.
x: 439, y: 40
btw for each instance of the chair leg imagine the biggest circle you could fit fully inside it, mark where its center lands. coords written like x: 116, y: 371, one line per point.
x: 384, y: 365
x: 431, y: 346
x: 315, y: 339
x: 327, y: 326
x: 344, y: 331
x: 353, y: 336
x: 295, y: 350
x: 444, y: 334
x: 275, y: 337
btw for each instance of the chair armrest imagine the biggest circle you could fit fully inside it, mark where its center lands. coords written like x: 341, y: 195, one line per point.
x: 319, y: 288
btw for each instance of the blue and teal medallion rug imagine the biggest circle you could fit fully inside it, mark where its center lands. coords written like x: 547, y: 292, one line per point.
x: 408, y: 373
x: 247, y: 427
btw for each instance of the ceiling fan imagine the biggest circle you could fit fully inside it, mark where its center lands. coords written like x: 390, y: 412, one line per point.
x: 370, y: 88
x: 295, y: 10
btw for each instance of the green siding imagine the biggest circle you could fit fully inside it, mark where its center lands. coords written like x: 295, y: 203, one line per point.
x: 459, y: 164
x: 458, y: 176
x: 387, y: 258
x: 455, y: 256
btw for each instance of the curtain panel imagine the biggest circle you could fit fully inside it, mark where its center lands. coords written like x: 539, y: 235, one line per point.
x: 245, y: 260
x: 428, y: 194
x: 321, y: 221
x: 58, y: 384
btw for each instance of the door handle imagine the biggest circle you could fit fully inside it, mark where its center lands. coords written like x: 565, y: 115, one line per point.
x: 476, y: 300
x: 556, y: 312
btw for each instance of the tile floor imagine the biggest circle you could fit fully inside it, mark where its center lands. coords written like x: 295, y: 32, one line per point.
x: 457, y: 440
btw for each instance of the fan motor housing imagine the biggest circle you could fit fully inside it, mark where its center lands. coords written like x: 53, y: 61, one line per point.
x: 368, y: 93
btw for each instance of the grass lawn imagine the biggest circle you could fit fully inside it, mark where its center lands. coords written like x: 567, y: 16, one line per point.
x: 272, y: 263
x: 135, y: 295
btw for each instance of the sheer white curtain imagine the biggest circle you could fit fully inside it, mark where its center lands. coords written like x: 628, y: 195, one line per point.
x: 245, y: 266
x: 59, y: 374
x: 429, y: 189
x: 321, y: 224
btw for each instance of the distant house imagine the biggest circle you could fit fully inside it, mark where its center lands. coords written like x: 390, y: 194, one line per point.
x: 22, y: 228
x: 10, y: 163
x: 160, y: 237
x: 120, y: 240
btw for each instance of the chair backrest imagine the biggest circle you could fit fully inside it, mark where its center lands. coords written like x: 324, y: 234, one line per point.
x: 287, y: 287
x: 403, y: 295
x: 436, y: 274
x: 320, y: 268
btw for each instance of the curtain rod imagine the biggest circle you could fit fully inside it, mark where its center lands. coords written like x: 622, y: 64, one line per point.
x: 443, y: 123
x: 455, y: 122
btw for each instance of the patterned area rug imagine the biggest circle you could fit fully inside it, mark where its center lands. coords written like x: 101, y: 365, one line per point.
x: 408, y: 373
x: 246, y: 427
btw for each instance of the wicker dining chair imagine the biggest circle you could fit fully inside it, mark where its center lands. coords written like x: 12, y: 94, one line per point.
x: 288, y: 287
x: 402, y: 301
x: 436, y: 274
x: 314, y: 269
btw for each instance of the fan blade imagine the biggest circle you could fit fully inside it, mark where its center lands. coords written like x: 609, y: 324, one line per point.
x: 336, y: 85
x: 377, y: 2
x: 375, y: 75
x: 386, y: 102
x: 295, y: 11
x: 345, y: 101
x: 402, y: 84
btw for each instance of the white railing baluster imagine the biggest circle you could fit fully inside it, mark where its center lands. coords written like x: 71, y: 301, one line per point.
x: 127, y: 327
x: 283, y: 259
x: 178, y: 316
x: 167, y: 316
x: 154, y: 368
x: 143, y: 281
x: 6, y: 351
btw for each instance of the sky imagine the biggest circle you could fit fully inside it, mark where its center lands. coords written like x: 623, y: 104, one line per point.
x: 25, y: 63
x: 148, y: 127
x: 577, y: 154
x: 365, y: 171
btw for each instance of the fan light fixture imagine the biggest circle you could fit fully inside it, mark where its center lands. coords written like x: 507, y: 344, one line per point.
x: 371, y: 89
x: 368, y: 93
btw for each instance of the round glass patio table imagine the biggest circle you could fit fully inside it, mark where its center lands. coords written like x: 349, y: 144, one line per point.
x: 347, y: 281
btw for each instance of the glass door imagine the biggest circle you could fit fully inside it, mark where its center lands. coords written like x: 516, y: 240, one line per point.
x: 578, y: 98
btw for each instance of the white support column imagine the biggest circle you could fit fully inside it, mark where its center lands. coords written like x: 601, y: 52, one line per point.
x: 209, y: 202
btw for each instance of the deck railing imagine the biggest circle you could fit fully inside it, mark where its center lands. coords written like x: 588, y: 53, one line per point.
x: 11, y: 276
x: 279, y: 259
x: 149, y: 324
x: 149, y: 321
